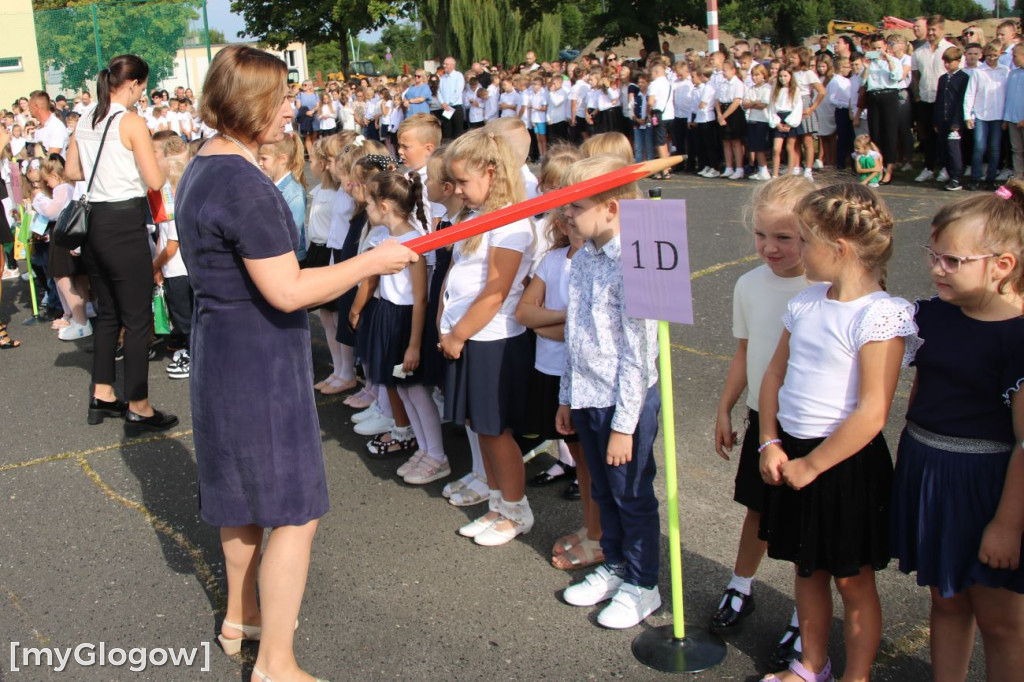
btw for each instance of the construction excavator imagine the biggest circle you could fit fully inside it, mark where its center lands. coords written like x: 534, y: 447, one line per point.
x: 863, y: 28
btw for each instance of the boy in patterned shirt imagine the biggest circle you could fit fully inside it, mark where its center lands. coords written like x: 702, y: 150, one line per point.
x: 610, y: 398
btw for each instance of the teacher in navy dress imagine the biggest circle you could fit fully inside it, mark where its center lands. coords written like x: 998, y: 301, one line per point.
x: 256, y: 431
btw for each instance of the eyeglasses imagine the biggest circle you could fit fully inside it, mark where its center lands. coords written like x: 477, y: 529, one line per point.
x: 950, y: 263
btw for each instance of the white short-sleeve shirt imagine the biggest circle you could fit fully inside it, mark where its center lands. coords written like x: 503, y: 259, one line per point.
x: 468, y: 274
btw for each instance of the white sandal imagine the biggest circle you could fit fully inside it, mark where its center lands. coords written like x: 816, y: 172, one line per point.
x: 473, y: 493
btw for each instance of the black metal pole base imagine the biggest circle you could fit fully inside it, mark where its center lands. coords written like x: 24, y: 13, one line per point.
x: 659, y: 649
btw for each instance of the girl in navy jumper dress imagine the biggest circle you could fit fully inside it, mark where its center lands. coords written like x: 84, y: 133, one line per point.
x: 958, y: 509
x: 395, y: 355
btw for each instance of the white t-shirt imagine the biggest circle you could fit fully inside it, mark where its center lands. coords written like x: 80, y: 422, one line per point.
x: 509, y: 98
x: 558, y: 106
x: 758, y: 304
x: 53, y: 134
x: 805, y: 80
x: 530, y: 181
x: 397, y: 288
x: 661, y: 90
x: 578, y: 93
x: 175, y: 267
x: 468, y: 274
x: 758, y: 93
x: 539, y: 106
x: 318, y: 225
x: 822, y: 377
x: 554, y: 272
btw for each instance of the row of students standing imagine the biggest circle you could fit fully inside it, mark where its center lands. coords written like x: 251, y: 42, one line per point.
x: 820, y: 363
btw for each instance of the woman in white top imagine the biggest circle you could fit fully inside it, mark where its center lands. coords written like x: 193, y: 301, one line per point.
x: 983, y: 112
x: 117, y: 250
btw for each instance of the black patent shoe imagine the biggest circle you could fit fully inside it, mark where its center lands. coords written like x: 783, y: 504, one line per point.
x: 101, y: 409
x: 573, y: 491
x: 727, y: 619
x: 136, y: 425
x: 547, y: 478
x: 787, y: 649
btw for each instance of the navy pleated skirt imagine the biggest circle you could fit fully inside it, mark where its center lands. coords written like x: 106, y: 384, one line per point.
x: 390, y: 330
x: 488, y: 386
x: 942, y: 502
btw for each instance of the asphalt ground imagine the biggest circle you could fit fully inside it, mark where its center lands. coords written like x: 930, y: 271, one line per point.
x: 100, y: 538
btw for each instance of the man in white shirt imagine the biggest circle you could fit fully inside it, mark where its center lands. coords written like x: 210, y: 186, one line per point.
x: 659, y: 103
x: 928, y: 67
x: 51, y: 134
x: 449, y: 93
x: 84, y: 104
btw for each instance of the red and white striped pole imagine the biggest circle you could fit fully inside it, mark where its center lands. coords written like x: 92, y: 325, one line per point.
x: 712, y: 26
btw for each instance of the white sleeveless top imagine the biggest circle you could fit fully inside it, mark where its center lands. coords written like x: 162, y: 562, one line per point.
x: 117, y: 177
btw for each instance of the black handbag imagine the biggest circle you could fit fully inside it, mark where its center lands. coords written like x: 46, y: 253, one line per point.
x: 72, y: 227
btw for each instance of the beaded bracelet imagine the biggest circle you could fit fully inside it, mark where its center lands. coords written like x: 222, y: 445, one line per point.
x: 764, y: 446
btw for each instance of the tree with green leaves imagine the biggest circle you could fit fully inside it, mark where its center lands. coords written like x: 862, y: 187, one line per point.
x: 78, y: 38
x: 497, y: 30
x: 315, y: 22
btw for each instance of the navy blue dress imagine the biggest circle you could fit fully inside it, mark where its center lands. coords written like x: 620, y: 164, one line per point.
x: 256, y: 431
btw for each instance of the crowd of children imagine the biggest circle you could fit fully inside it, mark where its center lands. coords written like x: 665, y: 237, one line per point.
x: 820, y: 340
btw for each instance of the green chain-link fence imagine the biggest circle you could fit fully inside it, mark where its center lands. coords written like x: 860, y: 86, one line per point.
x: 77, y: 42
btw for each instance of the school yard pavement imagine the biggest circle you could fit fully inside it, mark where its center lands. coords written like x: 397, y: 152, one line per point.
x: 101, y: 539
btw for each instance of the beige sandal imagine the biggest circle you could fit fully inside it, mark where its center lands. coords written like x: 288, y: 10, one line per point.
x: 567, y: 542
x: 583, y: 555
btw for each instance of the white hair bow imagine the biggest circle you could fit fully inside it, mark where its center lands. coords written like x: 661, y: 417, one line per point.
x: 358, y: 142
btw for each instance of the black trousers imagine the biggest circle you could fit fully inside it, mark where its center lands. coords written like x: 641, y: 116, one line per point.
x: 178, y: 294
x: 926, y: 138
x: 120, y: 266
x: 844, y: 138
x: 558, y: 132
x: 884, y: 122
x: 452, y: 127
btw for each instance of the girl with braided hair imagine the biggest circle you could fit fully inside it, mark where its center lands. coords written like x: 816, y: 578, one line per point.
x: 824, y: 401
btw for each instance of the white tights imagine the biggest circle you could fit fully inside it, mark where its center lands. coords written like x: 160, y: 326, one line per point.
x: 424, y: 419
x: 478, y: 454
x: 342, y: 356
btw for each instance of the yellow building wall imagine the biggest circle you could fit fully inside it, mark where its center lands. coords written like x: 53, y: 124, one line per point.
x: 19, y: 41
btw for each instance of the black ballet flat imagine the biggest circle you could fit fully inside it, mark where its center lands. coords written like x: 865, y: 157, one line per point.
x: 546, y: 478
x: 786, y: 650
x: 573, y: 491
x: 135, y: 425
x: 727, y: 619
x: 101, y: 409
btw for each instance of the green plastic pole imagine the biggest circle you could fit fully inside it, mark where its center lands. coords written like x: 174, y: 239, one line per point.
x: 96, y: 37
x: 668, y: 429
x: 26, y: 239
x: 206, y: 29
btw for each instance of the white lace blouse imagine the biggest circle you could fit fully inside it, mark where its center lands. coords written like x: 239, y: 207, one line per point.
x: 822, y: 378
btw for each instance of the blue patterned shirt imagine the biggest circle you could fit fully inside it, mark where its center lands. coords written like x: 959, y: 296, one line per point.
x: 610, y: 359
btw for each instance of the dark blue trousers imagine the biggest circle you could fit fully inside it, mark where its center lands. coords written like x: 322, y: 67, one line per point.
x: 630, y: 525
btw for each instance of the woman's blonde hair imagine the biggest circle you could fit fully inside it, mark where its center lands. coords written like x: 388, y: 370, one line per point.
x: 614, y: 143
x: 857, y: 215
x: 243, y: 91
x: 1001, y: 215
x: 481, y: 150
x: 291, y: 147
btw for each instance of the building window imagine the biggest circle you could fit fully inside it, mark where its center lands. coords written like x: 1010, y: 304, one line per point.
x: 10, y: 64
x: 290, y: 57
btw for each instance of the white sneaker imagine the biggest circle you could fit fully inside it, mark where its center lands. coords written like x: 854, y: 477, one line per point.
x: 925, y: 175
x: 703, y: 172
x: 906, y: 168
x: 11, y: 273
x: 796, y: 170
x: 630, y: 606
x: 410, y: 463
x: 943, y: 176
x: 737, y: 175
x: 763, y: 174
x: 1004, y: 175
x: 370, y: 411
x: 75, y: 331
x: 374, y: 426
x: 808, y: 174
x: 712, y: 173
x: 817, y: 165
x: 599, y: 586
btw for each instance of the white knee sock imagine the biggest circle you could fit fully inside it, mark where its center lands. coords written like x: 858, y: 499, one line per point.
x: 347, y: 370
x: 329, y: 321
x: 564, y: 456
x: 494, y: 503
x: 478, y: 454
